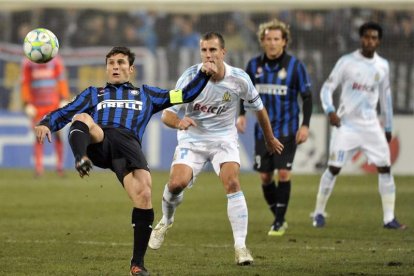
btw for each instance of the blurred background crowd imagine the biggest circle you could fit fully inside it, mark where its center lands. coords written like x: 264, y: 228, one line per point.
x: 319, y: 37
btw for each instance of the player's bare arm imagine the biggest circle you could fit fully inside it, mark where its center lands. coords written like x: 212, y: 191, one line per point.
x: 272, y: 144
x: 41, y: 132
x: 334, y: 119
x: 172, y: 120
x: 302, y: 134
x: 241, y: 123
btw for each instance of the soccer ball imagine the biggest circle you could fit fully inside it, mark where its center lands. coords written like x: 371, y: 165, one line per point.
x: 40, y: 45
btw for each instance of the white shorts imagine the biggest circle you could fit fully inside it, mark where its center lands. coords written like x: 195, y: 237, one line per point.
x: 345, y: 142
x: 197, y: 155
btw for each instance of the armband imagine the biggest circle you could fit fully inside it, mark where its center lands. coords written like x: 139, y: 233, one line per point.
x: 176, y: 96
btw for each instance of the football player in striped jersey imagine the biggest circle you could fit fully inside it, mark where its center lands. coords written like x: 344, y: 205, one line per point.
x: 107, y: 125
x: 280, y: 78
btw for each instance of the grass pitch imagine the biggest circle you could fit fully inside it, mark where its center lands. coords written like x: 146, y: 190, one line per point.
x: 73, y: 226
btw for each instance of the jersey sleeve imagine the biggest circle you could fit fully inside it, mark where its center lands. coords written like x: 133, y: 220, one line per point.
x: 59, y: 118
x: 385, y: 99
x: 249, y: 94
x: 304, y: 79
x: 329, y: 86
x: 187, y: 92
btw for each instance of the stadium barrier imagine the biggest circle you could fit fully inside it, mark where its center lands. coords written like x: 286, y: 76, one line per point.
x: 16, y: 143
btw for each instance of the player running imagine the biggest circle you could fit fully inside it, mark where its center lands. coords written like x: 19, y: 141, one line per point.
x: 207, y: 133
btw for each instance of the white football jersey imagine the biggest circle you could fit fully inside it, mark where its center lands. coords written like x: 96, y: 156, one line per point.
x: 215, y: 109
x: 363, y: 81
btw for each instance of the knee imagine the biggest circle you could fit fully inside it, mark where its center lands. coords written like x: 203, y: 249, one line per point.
x: 176, y: 184
x: 266, y: 178
x: 84, y: 118
x: 284, y: 175
x: 334, y: 170
x: 232, y: 185
x: 145, y: 194
x: 385, y: 169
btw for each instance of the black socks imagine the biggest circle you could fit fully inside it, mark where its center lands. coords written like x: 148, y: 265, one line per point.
x: 142, y: 220
x: 79, y: 139
x: 270, y: 195
x: 277, y: 198
x: 282, y: 200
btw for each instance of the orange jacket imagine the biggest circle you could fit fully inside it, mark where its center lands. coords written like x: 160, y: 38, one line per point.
x: 44, y: 85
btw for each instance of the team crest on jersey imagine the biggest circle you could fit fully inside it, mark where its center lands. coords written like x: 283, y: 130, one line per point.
x: 226, y: 97
x: 377, y: 77
x: 259, y: 72
x: 282, y: 74
x: 134, y: 92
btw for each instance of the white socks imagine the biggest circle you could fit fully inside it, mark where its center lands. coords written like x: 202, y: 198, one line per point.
x: 386, y: 188
x: 238, y: 217
x: 169, y: 204
x: 326, y: 186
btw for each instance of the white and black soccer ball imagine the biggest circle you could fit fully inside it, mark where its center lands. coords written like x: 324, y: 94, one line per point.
x: 41, y: 45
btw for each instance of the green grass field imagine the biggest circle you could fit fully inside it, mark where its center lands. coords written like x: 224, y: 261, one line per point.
x: 73, y: 226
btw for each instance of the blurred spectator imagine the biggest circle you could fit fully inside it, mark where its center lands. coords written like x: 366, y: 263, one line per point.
x: 113, y: 29
x: 319, y: 36
x: 91, y: 30
x: 183, y: 33
x: 145, y: 29
x: 233, y: 37
x: 130, y: 35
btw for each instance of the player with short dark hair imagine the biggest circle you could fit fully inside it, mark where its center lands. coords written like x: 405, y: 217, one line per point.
x: 207, y: 133
x: 364, y: 79
x: 107, y: 127
x: 280, y: 78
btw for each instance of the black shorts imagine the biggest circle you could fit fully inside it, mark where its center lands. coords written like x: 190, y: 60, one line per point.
x: 119, y: 151
x: 265, y: 162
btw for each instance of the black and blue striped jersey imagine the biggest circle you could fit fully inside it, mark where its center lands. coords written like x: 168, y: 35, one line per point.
x: 124, y: 106
x: 279, y: 85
